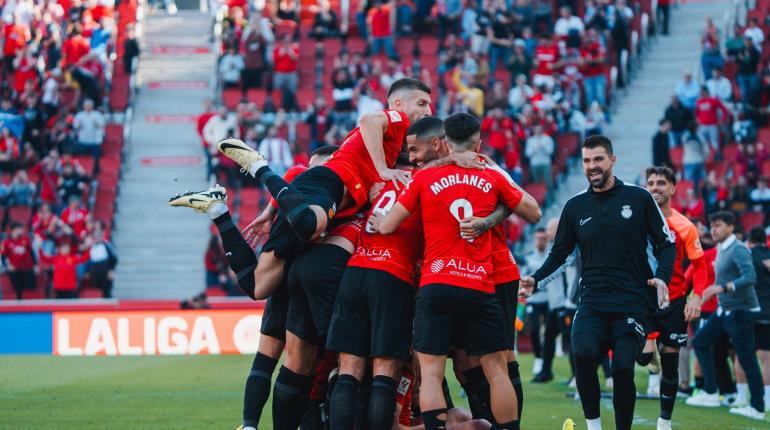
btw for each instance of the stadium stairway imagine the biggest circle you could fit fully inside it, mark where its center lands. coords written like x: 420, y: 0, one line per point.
x: 162, y: 248
x: 641, y: 106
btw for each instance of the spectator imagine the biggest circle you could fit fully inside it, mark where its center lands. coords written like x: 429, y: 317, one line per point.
x: 22, y: 191
x: 16, y: 36
x: 367, y: 103
x: 499, y: 128
x: 592, y: 60
x: 680, y: 118
x: 468, y: 21
x: 74, y: 47
x: 568, y: 23
x: 218, y: 274
x: 72, y: 182
x: 89, y: 125
x: 694, y: 155
x: 220, y: 127
x: 19, y: 260
x: 102, y: 259
x: 760, y: 255
x: 520, y: 62
x: 75, y: 216
x: 34, y: 122
x: 719, y: 86
x: 230, y: 68
x: 761, y: 195
x: 325, y: 22
x: 277, y: 151
x: 520, y: 94
x: 50, y: 96
x: 9, y: 150
x: 255, y: 63
x: 687, y: 90
x: 711, y: 55
x: 747, y: 77
x: 285, y: 76
x: 449, y: 14
x: 664, y: 13
x: 343, y: 95
x: 379, y: 23
x: 317, y: 117
x: 480, y: 36
x: 755, y: 33
x: 131, y: 49
x: 620, y: 31
x: 661, y: 144
x: 499, y: 36
x: 546, y: 62
x: 710, y: 113
x: 203, y: 119
x: 734, y: 287
x: 539, y: 150
x: 65, y: 263
x: 497, y: 99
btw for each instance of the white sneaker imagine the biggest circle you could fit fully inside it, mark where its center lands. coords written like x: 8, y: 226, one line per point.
x: 609, y: 384
x: 200, y: 201
x: 537, y: 366
x: 705, y: 400
x: 664, y: 424
x: 733, y: 400
x: 238, y: 151
x: 748, y: 412
x: 572, y: 383
x: 653, y: 385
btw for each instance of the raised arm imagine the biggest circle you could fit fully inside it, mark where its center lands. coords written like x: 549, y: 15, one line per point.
x: 373, y: 126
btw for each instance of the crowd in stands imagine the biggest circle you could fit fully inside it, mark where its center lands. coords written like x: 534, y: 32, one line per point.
x: 715, y: 131
x: 539, y: 77
x: 56, y: 69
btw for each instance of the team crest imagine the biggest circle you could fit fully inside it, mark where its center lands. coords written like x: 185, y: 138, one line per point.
x: 626, y: 212
x: 332, y: 210
x: 437, y: 266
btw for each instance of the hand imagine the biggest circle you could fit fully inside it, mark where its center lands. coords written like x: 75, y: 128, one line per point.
x: 659, y: 285
x: 712, y: 291
x: 375, y: 190
x: 487, y: 159
x: 526, y: 285
x: 472, y: 227
x: 396, y: 176
x: 468, y: 160
x: 257, y: 228
x: 692, y: 308
x: 374, y: 221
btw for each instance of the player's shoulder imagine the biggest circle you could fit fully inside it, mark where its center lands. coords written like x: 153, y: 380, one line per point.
x: 577, y: 199
x: 637, y: 191
x: 681, y: 223
x: 396, y: 117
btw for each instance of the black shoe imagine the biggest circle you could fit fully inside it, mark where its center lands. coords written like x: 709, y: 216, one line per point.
x: 542, y: 378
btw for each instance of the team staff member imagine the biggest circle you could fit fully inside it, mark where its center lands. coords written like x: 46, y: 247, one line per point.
x: 761, y: 256
x: 671, y: 323
x: 611, y: 223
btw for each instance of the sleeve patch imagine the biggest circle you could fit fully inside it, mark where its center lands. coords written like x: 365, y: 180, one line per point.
x: 394, y: 116
x: 403, y: 386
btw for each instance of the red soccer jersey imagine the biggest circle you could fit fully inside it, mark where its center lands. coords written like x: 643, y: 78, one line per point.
x: 353, y: 164
x: 75, y: 219
x: 506, y: 269
x: 547, y: 56
x: 396, y: 253
x: 18, y: 252
x: 350, y: 230
x: 687, y: 245
x: 443, y: 196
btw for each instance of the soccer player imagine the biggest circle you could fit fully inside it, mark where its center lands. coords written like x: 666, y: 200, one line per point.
x: 612, y: 224
x: 457, y: 284
x: 671, y: 323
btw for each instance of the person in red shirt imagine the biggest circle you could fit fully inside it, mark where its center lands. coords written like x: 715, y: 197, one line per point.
x: 710, y: 112
x: 668, y: 327
x: 208, y: 113
x: 9, y: 150
x: 16, y: 37
x: 285, y: 76
x: 379, y: 23
x: 457, y: 283
x: 500, y: 130
x: 546, y: 62
x: 19, y: 259
x: 65, y: 266
x: 75, y: 216
x: 593, y: 68
x: 74, y: 47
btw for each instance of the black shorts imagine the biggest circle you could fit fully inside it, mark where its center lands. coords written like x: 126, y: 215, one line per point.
x: 321, y: 187
x: 473, y: 316
x: 763, y: 336
x: 373, y: 315
x: 592, y: 325
x: 313, y: 281
x: 670, y: 324
x: 508, y: 295
x: 274, y: 314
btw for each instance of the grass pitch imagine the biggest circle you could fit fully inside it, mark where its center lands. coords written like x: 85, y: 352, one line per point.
x: 205, y: 392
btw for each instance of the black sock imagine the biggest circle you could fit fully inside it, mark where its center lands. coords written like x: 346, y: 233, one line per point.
x: 382, y: 403
x: 293, y: 204
x: 240, y: 256
x: 669, y: 381
x: 432, y: 421
x: 290, y: 398
x: 342, y: 415
x: 513, y: 425
x: 257, y: 389
x: 477, y: 389
x: 645, y: 358
x: 699, y: 381
x: 513, y: 373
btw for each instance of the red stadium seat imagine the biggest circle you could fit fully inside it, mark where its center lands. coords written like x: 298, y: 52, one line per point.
x: 22, y: 214
x: 731, y: 152
x: 87, y: 162
x: 538, y: 192
x: 231, y: 97
x: 677, y: 153
x: 766, y: 169
x: 751, y: 219
x: 215, y: 292
x: 763, y: 135
x: 91, y: 293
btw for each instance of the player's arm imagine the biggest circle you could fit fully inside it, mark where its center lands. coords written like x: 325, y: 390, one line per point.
x: 466, y: 159
x: 373, y: 126
x: 473, y: 227
x: 389, y: 223
x: 662, y: 240
x: 699, y: 273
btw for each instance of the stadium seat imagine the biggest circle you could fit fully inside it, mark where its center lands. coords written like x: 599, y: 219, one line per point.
x: 538, y: 192
x: 91, y: 293
x: 731, y: 152
x: 231, y: 97
x: 677, y: 154
x: 22, y: 214
x: 763, y: 135
x: 87, y: 162
x: 751, y: 219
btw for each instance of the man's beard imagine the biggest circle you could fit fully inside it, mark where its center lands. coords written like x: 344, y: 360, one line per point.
x: 605, y: 176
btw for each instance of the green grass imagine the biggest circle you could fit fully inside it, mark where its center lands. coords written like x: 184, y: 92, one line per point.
x: 205, y: 392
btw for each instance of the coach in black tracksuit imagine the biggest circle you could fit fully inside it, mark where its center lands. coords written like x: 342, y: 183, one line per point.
x: 612, y: 224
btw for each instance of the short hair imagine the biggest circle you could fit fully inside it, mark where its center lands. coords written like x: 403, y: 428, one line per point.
x: 15, y: 224
x: 325, y: 151
x: 427, y: 128
x: 726, y: 217
x: 757, y: 235
x: 408, y: 84
x: 460, y: 127
x: 664, y: 171
x: 597, y: 140
x: 540, y: 229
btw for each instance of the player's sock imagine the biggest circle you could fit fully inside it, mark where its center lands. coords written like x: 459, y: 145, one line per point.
x: 477, y: 389
x: 699, y: 381
x: 216, y: 210
x: 594, y: 424
x: 290, y: 395
x: 342, y: 414
x: 433, y: 420
x: 645, y: 358
x: 743, y: 393
x: 257, y: 389
x: 669, y: 382
x: 382, y: 403
x: 240, y: 256
x: 293, y: 204
x: 513, y: 373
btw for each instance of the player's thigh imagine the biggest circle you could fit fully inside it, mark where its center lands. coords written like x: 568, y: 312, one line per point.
x: 391, y: 307
x: 433, y: 320
x: 299, y: 318
x: 762, y: 337
x: 300, y: 354
x: 481, y: 323
x: 321, y: 277
x: 282, y: 241
x: 269, y: 274
x: 672, y: 326
x: 350, y: 324
x: 590, y: 334
x: 275, y: 313
x: 629, y: 325
x: 507, y: 295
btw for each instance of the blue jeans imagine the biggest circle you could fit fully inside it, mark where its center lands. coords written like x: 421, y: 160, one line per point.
x: 708, y: 62
x: 596, y: 89
x: 386, y: 43
x: 694, y: 172
x: 739, y: 326
x: 748, y: 84
x: 497, y: 53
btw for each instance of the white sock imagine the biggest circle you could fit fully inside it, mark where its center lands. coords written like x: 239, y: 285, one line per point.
x: 743, y: 392
x: 767, y: 396
x: 256, y: 166
x: 653, y: 380
x: 249, y: 428
x: 216, y: 210
x: 594, y: 424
